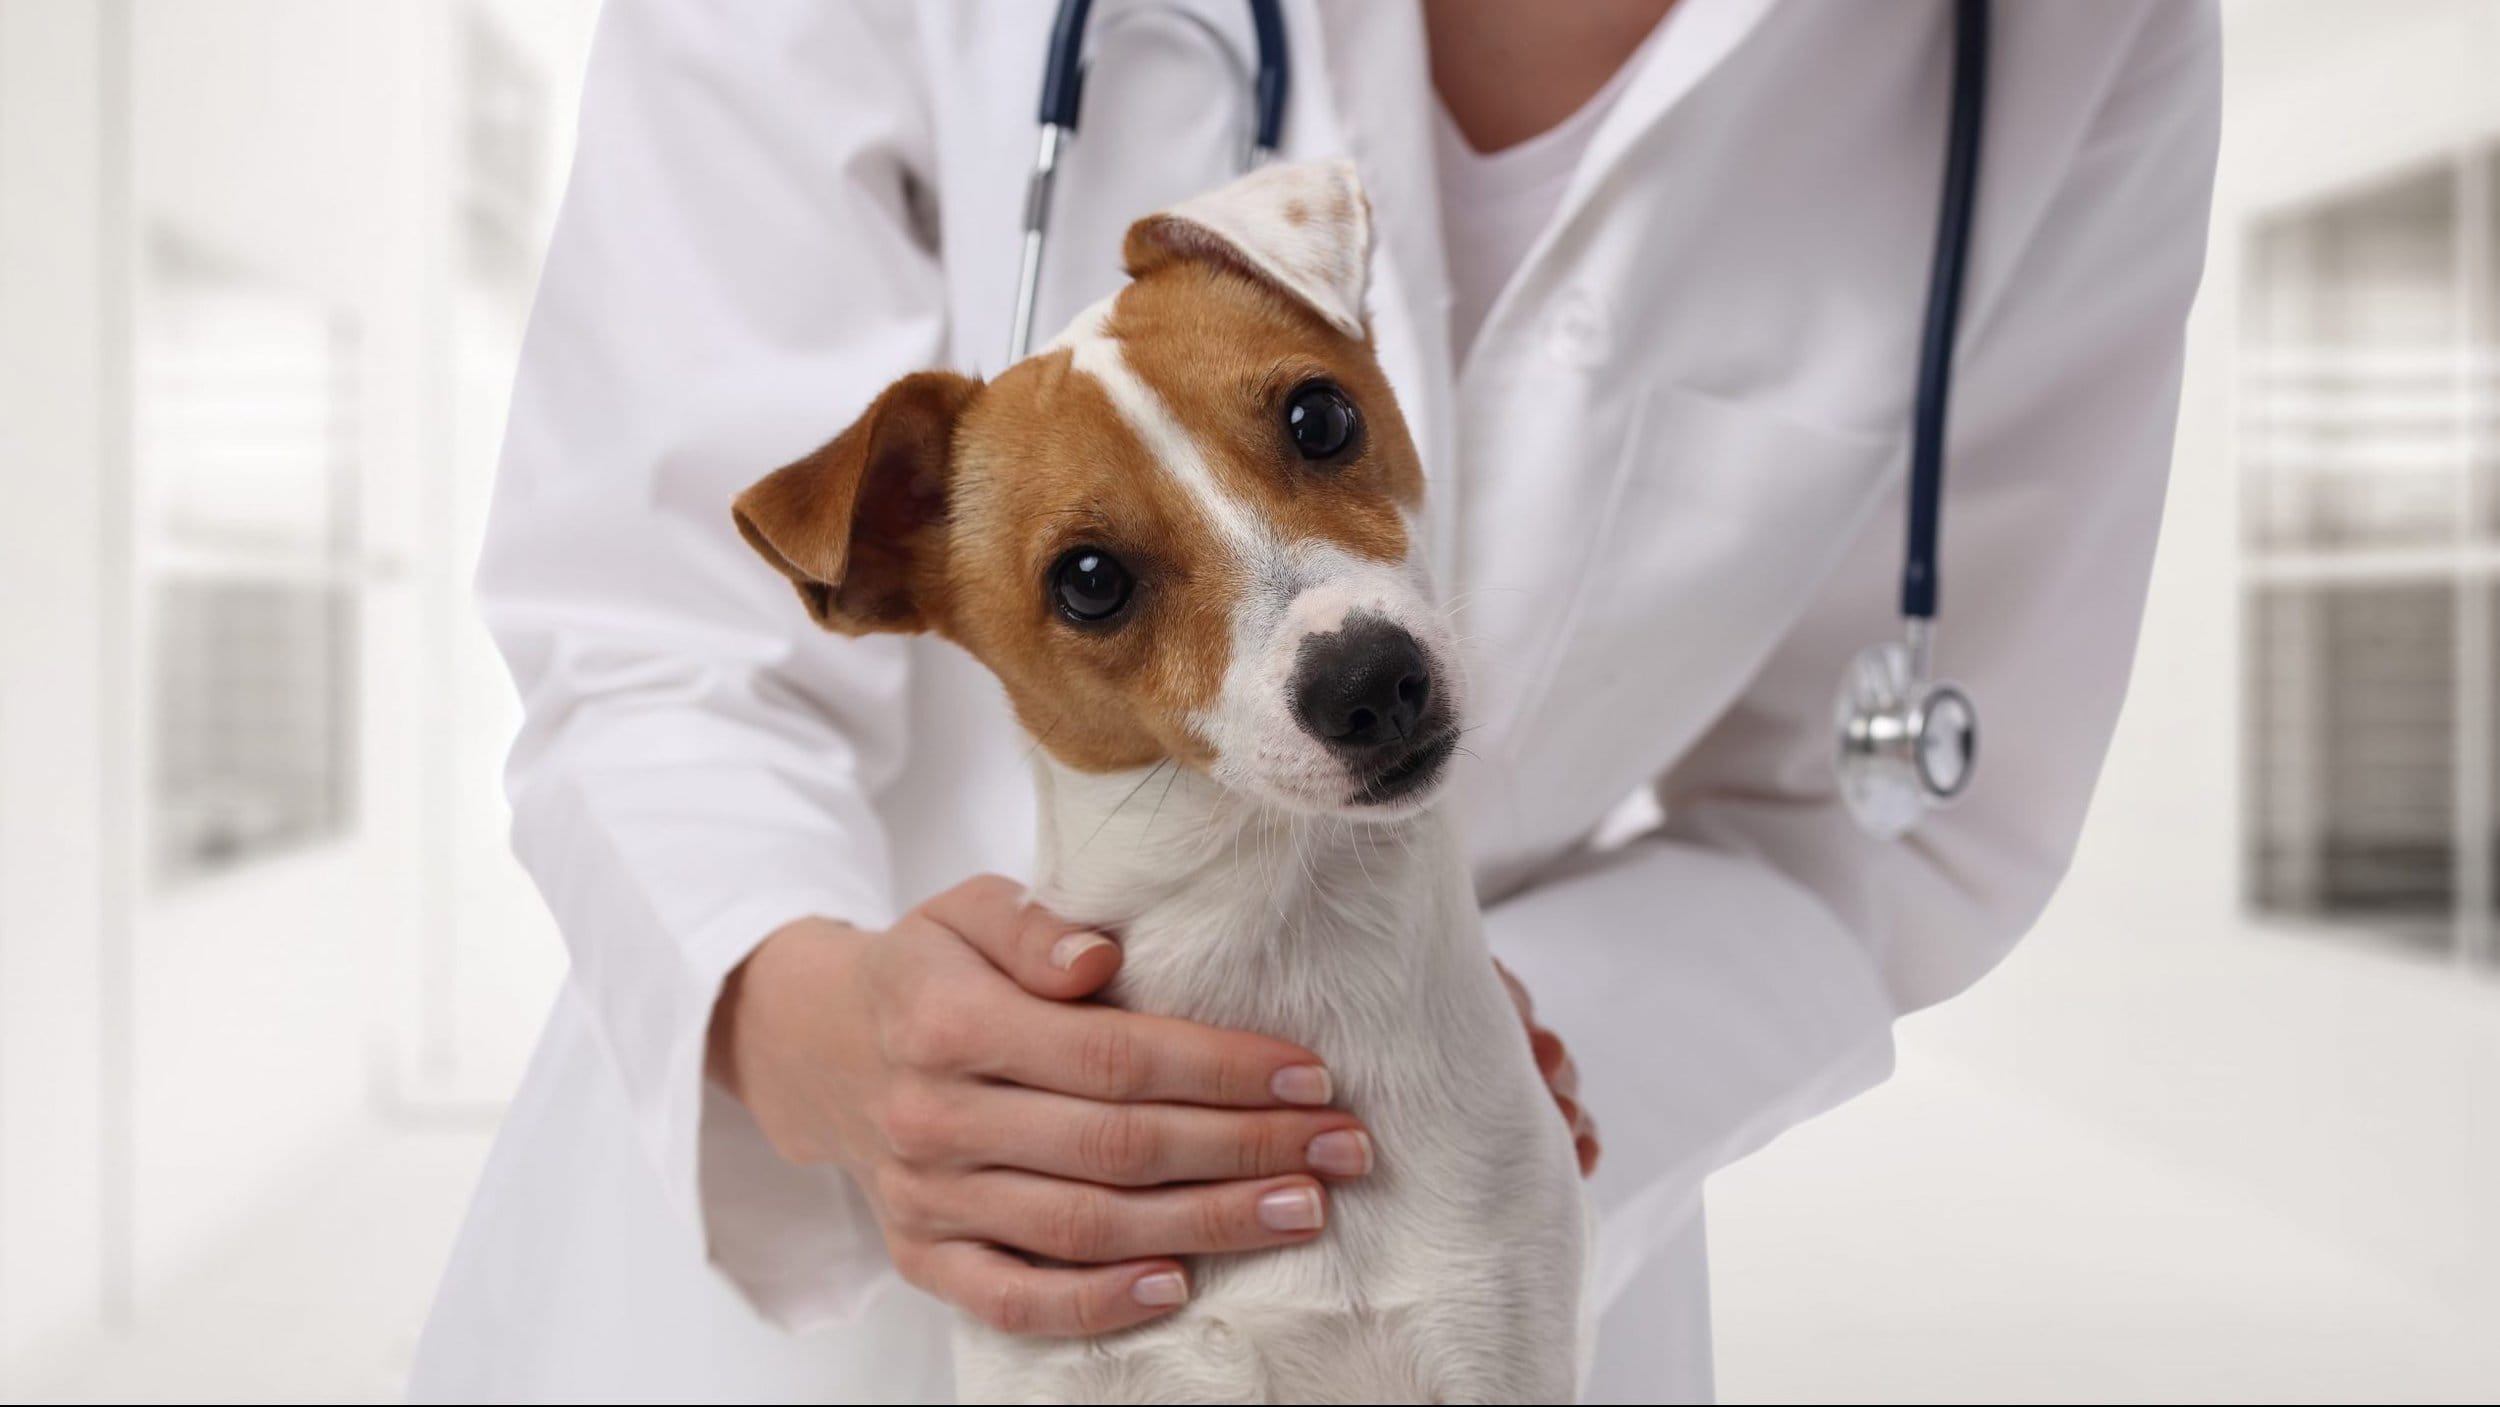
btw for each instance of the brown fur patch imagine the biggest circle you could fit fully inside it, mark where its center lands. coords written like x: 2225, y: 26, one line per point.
x: 1224, y: 352
x: 946, y: 508
x: 850, y: 524
x: 1047, y: 465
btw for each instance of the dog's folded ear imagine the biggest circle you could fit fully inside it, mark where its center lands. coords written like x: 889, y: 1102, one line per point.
x: 856, y: 526
x: 1302, y: 228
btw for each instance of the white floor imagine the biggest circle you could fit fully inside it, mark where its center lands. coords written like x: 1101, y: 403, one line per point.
x: 319, y: 1300
x: 1942, y: 1241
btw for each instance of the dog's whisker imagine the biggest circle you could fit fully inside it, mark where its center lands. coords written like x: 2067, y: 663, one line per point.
x: 1461, y: 598
x: 1157, y: 813
x: 1357, y: 848
x: 1124, y: 801
x: 1045, y: 737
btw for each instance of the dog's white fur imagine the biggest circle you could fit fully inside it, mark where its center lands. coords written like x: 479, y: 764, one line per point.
x: 1305, y: 227
x: 1257, y: 898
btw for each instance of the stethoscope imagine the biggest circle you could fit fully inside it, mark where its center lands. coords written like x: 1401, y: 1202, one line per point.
x: 1908, y: 742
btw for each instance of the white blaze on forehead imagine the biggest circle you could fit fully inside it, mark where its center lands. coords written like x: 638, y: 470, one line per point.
x: 1291, y: 590
x: 1166, y: 442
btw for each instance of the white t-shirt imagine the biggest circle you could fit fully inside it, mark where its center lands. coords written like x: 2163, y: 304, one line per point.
x: 1495, y: 204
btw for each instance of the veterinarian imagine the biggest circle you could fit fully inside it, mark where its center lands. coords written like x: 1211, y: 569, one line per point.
x: 1649, y: 279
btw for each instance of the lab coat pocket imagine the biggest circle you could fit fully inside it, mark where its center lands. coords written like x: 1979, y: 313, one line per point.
x: 1543, y: 465
x: 1721, y: 522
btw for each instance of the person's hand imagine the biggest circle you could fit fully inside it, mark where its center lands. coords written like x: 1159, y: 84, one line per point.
x: 944, y: 1064
x: 1561, y: 1076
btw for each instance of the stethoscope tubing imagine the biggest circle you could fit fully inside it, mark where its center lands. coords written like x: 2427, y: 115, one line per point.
x: 1063, y: 101
x: 1944, y: 308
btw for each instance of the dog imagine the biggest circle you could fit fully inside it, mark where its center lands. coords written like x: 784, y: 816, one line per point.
x: 1185, y: 538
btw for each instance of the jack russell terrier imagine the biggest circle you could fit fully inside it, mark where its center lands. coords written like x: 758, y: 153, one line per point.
x: 1184, y: 536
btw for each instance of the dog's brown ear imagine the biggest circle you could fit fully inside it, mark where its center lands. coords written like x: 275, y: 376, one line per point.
x: 1302, y: 228
x: 855, y: 525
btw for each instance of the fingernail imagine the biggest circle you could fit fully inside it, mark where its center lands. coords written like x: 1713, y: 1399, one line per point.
x: 1065, y: 952
x: 1161, y: 1290
x: 1301, y: 1084
x: 1292, y: 1209
x: 1341, y: 1153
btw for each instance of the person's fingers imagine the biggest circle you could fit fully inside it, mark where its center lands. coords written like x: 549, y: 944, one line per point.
x: 1078, y: 1221
x: 1039, y: 951
x: 1548, y: 1050
x: 1016, y: 1298
x: 1099, y: 1052
x: 1518, y: 994
x: 1583, y: 1135
x: 1564, y: 1078
x: 1141, y: 1145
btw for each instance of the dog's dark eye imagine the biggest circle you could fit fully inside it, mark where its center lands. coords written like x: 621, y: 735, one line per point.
x: 1090, y: 586
x: 1321, y: 420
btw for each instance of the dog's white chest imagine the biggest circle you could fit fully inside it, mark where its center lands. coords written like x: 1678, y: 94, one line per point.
x: 1453, y: 1271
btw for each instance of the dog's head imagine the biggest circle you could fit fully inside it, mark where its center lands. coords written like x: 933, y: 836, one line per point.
x: 1185, y: 530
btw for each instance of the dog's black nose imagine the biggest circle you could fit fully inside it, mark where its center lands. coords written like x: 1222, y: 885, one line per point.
x: 1362, y: 685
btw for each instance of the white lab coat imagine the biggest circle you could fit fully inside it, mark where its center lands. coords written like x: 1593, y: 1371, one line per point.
x: 1666, y: 485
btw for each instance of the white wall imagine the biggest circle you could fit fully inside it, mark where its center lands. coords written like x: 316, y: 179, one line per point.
x: 56, y: 139
x: 2325, y: 94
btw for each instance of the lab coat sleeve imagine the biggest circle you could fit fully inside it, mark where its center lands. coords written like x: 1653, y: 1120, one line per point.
x: 740, y: 264
x: 1766, y: 944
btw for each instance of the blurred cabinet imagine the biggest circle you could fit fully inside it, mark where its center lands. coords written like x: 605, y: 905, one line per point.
x: 245, y: 466
x: 2370, y: 449
x: 2354, y: 327
x: 317, y: 239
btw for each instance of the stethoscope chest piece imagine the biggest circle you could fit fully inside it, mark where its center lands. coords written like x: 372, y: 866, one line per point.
x: 1908, y: 744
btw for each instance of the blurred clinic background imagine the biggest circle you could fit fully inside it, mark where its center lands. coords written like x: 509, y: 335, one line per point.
x: 2226, y: 1127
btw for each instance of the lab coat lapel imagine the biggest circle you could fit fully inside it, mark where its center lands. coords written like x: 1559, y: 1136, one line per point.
x: 1700, y: 35
x: 1374, y: 75
x: 1375, y: 66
